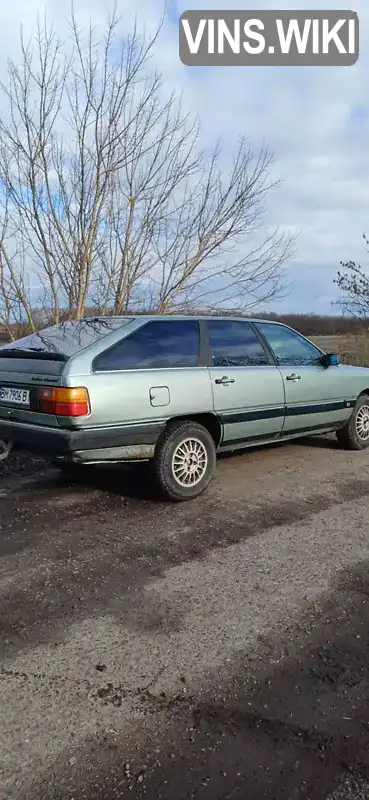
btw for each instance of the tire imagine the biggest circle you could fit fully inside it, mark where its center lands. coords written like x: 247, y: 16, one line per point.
x: 6, y: 447
x: 355, y: 434
x: 180, y: 443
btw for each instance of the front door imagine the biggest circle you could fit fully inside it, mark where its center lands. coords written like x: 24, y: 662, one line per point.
x: 247, y: 386
x: 314, y: 396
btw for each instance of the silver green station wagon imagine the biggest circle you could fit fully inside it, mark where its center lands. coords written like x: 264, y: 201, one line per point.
x: 174, y: 391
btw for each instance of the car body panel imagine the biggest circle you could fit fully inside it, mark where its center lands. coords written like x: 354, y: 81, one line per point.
x: 29, y: 374
x: 317, y: 397
x: 129, y: 397
x: 251, y: 407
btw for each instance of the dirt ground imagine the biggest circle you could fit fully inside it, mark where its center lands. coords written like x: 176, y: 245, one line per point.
x: 212, y: 649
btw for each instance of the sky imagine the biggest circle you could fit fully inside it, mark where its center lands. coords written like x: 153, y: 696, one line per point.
x: 314, y: 120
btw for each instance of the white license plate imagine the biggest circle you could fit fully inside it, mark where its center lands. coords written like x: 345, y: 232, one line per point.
x: 8, y: 394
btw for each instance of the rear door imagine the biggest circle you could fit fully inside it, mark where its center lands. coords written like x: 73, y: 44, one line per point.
x: 247, y: 386
x: 314, y: 393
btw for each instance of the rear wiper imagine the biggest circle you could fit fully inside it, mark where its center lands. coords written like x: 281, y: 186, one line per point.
x: 18, y: 352
x: 22, y: 349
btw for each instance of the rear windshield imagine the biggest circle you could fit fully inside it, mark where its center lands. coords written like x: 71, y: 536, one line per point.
x: 67, y: 338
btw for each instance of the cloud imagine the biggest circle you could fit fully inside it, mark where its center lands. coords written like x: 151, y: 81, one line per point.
x: 315, y: 120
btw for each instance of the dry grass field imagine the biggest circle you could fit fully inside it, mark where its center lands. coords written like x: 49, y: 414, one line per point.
x: 352, y: 349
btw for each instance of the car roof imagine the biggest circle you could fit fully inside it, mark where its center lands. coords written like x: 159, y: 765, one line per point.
x: 180, y: 317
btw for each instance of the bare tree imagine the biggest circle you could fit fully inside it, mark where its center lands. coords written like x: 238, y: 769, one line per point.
x: 353, y: 281
x: 15, y: 308
x: 106, y: 196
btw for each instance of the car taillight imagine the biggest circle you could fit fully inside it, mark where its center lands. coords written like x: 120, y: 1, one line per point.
x: 64, y: 402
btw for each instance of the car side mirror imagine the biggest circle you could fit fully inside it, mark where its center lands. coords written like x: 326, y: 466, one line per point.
x: 330, y: 360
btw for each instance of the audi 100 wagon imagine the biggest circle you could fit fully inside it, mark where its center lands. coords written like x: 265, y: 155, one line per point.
x: 174, y: 391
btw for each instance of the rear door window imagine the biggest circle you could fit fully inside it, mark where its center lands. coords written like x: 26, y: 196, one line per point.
x: 235, y: 344
x: 156, y: 345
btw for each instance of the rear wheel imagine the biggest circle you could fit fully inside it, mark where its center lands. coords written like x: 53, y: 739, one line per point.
x: 184, y: 460
x: 355, y: 434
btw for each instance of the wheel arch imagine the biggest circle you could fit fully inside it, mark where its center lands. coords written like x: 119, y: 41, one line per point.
x: 209, y: 421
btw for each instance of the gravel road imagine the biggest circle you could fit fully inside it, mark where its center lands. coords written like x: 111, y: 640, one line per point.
x: 213, y: 649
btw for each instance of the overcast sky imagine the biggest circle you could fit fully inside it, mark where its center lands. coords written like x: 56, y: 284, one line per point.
x: 315, y: 120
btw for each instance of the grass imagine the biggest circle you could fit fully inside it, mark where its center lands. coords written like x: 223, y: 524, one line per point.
x: 352, y: 348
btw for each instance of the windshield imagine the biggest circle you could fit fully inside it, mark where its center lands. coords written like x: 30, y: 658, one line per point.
x: 67, y: 338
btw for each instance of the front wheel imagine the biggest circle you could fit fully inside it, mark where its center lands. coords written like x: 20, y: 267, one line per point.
x: 184, y: 460
x: 355, y: 434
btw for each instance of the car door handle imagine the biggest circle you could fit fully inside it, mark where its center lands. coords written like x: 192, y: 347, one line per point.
x: 224, y: 381
x: 293, y: 377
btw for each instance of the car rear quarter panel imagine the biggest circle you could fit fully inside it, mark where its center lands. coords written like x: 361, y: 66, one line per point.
x: 145, y: 395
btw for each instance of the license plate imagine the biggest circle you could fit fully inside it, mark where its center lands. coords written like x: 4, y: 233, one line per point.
x: 8, y: 394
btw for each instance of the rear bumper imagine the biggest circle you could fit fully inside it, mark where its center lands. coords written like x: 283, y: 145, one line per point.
x: 124, y: 442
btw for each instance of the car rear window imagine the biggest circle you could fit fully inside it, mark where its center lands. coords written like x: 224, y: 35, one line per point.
x: 160, y: 344
x: 68, y: 338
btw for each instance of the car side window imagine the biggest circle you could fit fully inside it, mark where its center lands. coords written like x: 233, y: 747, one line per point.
x: 235, y: 344
x: 289, y: 348
x: 157, y: 344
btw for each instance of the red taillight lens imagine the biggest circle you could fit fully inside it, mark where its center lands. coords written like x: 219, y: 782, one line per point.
x: 64, y: 402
